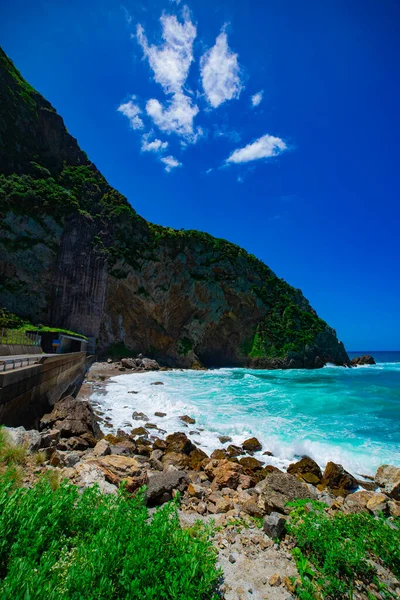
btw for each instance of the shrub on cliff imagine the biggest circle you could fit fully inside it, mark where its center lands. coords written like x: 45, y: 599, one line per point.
x: 65, y: 545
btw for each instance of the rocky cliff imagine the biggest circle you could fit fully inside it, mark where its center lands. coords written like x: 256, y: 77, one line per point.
x: 75, y: 254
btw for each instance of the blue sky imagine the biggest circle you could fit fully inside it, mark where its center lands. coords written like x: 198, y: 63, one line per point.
x: 271, y: 123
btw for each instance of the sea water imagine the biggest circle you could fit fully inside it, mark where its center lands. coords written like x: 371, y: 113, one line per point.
x: 350, y: 416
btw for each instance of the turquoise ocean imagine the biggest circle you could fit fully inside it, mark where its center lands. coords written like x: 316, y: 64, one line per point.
x: 350, y: 416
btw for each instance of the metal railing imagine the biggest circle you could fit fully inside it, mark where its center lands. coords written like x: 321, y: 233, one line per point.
x: 7, y: 364
x: 15, y: 337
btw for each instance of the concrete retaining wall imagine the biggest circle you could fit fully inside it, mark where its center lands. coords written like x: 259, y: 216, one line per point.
x: 27, y: 394
x: 15, y: 349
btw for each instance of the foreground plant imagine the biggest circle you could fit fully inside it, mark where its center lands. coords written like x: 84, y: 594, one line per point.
x: 61, y: 544
x: 335, y: 554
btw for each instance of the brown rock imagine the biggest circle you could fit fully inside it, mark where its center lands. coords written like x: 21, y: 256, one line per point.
x: 117, y: 468
x: 179, y: 442
x: 160, y: 414
x: 306, y: 470
x: 226, y: 474
x: 250, y: 464
x: 233, y: 450
x: 196, y: 491
x: 246, y: 482
x: 251, y: 507
x: 224, y: 439
x: 197, y: 458
x: 102, y: 448
x: 278, y: 489
x: 176, y: 459
x: 388, y: 479
x: 188, y: 420
x: 159, y: 444
x: 357, y: 502
x: 139, y: 416
x: 251, y: 445
x: 338, y: 480
x: 139, y: 431
x: 219, y: 454
x: 394, y: 508
x: 275, y: 580
x: 367, y: 359
x: 223, y: 505
x: 73, y: 418
x: 378, y: 503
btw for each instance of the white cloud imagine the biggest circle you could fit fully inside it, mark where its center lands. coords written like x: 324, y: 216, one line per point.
x: 170, y: 163
x: 153, y: 146
x: 265, y: 147
x: 220, y: 72
x: 177, y: 117
x: 171, y: 60
x: 170, y: 63
x: 257, y: 98
x: 132, y: 112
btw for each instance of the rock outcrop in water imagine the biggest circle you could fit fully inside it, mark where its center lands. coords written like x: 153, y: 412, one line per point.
x: 75, y: 254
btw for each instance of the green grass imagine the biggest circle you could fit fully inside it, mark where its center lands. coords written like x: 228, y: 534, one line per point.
x: 9, y: 320
x: 61, y: 544
x: 332, y: 552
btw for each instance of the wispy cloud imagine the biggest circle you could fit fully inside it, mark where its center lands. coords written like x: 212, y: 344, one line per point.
x: 177, y: 117
x: 155, y: 145
x: 265, y: 147
x: 257, y: 98
x: 170, y: 163
x: 220, y: 72
x: 132, y: 112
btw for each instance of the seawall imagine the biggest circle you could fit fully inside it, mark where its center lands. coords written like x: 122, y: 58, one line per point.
x: 26, y: 394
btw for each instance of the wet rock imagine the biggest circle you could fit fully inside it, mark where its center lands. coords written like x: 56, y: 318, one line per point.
x: 250, y: 463
x: 307, y: 470
x: 161, y: 485
x: 224, y: 439
x: 73, y: 417
x: 132, y: 392
x: 187, y: 419
x: 197, y: 458
x: 139, y: 416
x: 102, y: 448
x: 251, y: 445
x: 277, y: 489
x: 139, y: 431
x: 338, y: 480
x: 179, y: 442
x: 367, y: 359
x: 219, y: 454
x: 234, y: 451
x: 388, y: 479
x: 160, y: 414
x: 157, y: 383
x: 151, y: 426
x: 159, y: 444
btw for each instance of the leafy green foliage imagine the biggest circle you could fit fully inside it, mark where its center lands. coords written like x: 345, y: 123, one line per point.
x: 290, y: 323
x: 333, y: 551
x: 184, y: 346
x: 11, y: 321
x: 65, y: 545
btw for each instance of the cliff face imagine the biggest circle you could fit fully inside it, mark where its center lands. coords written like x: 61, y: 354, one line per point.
x: 75, y: 254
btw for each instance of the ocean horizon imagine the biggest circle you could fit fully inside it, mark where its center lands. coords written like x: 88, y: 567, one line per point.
x: 349, y: 416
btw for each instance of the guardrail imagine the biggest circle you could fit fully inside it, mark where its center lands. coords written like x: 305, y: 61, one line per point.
x: 12, y: 337
x: 8, y: 364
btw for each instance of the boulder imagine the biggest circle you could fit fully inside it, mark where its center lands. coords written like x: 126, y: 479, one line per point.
x: 224, y: 473
x: 357, y: 502
x: 86, y: 475
x: 161, y: 485
x: 49, y: 438
x: 388, y: 479
x: 179, y: 460
x: 378, y: 504
x: 338, y: 480
x: 251, y: 445
x: 367, y: 359
x: 179, y: 442
x: 250, y: 464
x: 118, y: 468
x: 274, y: 525
x: 224, y: 439
x: 139, y: 431
x: 196, y: 491
x: 125, y: 447
x: 219, y: 454
x: 148, y: 364
x: 73, y: 418
x: 197, y: 458
x: 277, y: 489
x: 102, y: 448
x: 394, y: 508
x: 130, y: 363
x: 234, y: 451
x: 139, y: 416
x: 187, y: 419
x: 19, y: 436
x: 160, y: 414
x: 307, y: 470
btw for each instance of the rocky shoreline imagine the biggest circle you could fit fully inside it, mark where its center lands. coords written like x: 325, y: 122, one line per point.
x: 230, y: 486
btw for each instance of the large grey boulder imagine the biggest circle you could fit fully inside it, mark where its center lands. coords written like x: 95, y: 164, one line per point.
x: 388, y: 479
x: 161, y: 485
x: 277, y: 489
x: 19, y: 436
x: 274, y: 525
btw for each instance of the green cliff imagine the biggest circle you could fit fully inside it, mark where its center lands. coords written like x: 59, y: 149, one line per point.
x: 75, y: 254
